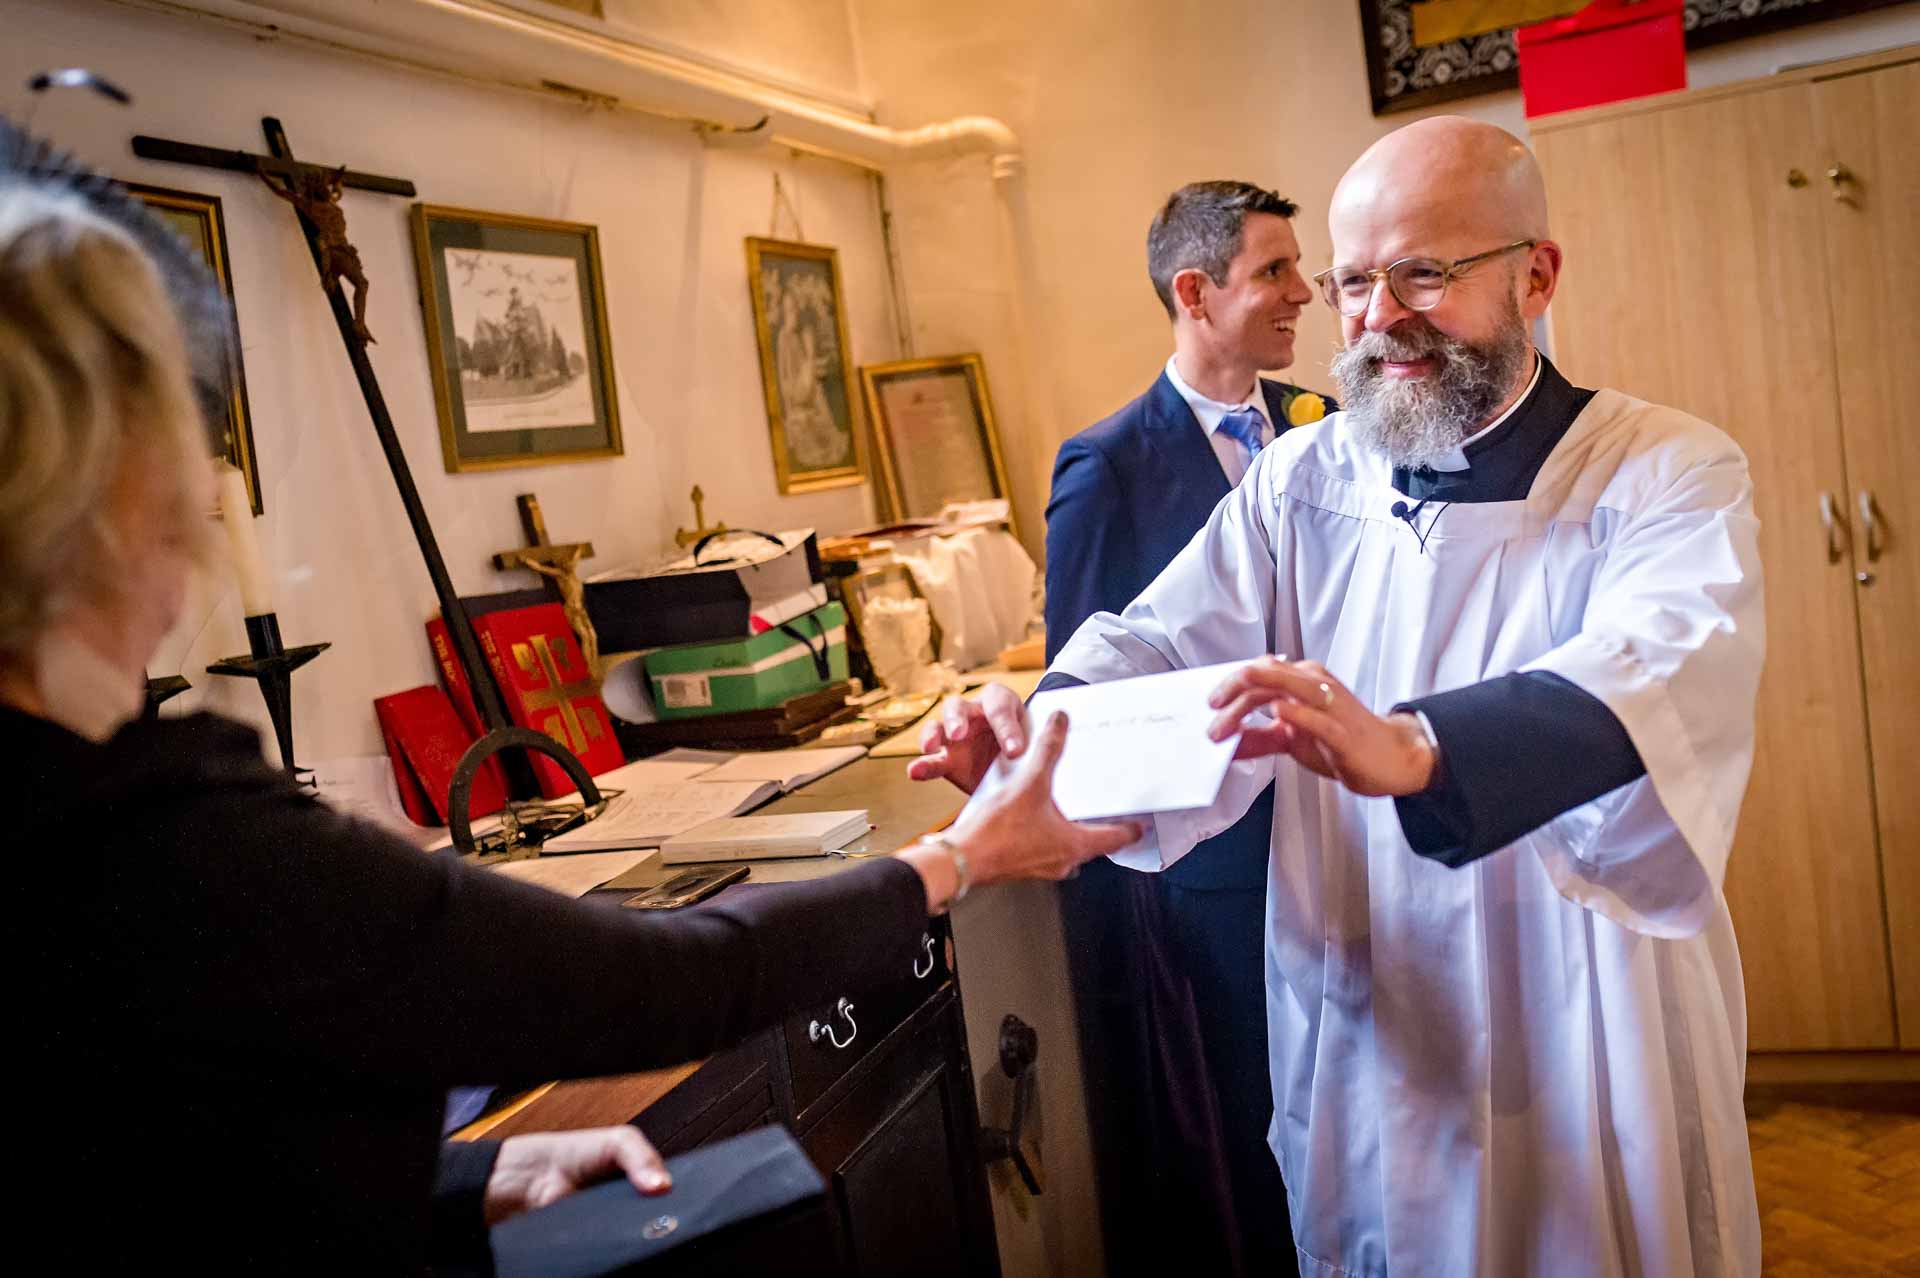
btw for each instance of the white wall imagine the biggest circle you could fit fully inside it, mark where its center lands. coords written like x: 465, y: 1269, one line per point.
x: 672, y: 217
x: 1118, y: 102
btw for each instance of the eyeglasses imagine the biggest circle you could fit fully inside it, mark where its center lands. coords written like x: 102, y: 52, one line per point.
x: 1417, y: 283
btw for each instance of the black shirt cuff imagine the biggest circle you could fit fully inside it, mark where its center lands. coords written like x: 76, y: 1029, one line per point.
x: 1516, y: 752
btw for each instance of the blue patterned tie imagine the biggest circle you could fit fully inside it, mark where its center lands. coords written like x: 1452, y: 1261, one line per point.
x: 1247, y: 426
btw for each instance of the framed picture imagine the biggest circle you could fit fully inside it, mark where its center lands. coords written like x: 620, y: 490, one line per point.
x: 805, y: 365
x: 1405, y: 73
x: 196, y: 219
x: 517, y: 337
x: 933, y: 426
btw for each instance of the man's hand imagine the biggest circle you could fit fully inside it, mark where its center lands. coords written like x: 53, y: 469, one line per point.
x: 533, y: 1171
x: 1323, y: 727
x: 969, y: 735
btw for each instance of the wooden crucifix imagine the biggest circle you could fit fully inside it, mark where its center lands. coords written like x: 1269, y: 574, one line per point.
x: 559, y: 565
x: 281, y: 165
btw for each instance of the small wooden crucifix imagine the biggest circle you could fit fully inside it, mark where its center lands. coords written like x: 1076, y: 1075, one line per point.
x: 559, y: 565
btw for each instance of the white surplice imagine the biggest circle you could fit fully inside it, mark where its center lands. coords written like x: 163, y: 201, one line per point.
x: 1532, y: 1064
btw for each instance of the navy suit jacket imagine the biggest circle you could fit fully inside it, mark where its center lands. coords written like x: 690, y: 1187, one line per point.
x: 1128, y: 493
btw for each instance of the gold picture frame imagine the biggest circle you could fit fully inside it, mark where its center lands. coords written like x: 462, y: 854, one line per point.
x: 934, y: 430
x: 798, y: 310
x: 519, y: 378
x: 197, y: 219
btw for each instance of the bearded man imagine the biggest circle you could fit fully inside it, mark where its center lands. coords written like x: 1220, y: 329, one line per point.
x: 1505, y: 1021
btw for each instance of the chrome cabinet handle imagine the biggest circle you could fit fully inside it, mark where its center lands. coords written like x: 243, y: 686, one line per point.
x: 817, y: 1030
x: 926, y: 949
x: 1869, y: 524
x: 1836, y: 530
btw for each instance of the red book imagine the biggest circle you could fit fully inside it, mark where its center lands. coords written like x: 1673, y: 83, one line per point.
x: 425, y: 740
x: 454, y: 678
x: 544, y: 677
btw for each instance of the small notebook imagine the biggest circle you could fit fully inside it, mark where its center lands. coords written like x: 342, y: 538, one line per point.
x: 754, y: 837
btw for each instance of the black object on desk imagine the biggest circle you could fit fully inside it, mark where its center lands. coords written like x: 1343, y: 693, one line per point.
x: 687, y: 888
x: 749, y: 1204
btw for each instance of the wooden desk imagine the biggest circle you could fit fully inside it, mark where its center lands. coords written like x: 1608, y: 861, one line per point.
x: 884, y: 1104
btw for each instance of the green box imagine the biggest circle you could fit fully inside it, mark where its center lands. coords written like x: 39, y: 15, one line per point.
x: 719, y: 676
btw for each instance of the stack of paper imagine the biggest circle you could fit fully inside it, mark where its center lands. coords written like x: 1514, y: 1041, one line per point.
x: 753, y: 837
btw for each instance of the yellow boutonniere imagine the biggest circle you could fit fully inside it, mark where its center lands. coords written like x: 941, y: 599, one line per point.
x: 1305, y: 409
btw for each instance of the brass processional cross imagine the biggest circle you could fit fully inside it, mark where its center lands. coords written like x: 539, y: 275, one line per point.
x: 334, y: 258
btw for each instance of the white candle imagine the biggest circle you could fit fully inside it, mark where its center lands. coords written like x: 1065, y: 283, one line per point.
x: 236, y: 511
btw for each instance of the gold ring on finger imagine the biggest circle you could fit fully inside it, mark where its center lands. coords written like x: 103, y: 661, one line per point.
x: 1326, y: 696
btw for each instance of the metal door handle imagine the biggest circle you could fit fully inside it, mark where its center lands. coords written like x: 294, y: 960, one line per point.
x: 1836, y: 531
x: 1869, y: 524
x: 1840, y: 177
x: 817, y: 1030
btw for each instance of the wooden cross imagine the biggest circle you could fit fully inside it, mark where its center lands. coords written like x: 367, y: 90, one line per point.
x: 559, y: 565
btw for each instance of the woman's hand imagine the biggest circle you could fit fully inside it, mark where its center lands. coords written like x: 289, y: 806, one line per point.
x: 1019, y: 833
x: 533, y: 1171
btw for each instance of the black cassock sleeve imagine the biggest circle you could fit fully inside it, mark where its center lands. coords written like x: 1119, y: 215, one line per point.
x: 1515, y: 752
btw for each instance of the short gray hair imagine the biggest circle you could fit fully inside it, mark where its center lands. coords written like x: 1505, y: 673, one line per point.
x: 94, y: 377
x: 1199, y: 229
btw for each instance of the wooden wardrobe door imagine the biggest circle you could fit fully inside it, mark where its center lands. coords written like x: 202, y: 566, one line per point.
x: 1867, y: 132
x: 1696, y: 276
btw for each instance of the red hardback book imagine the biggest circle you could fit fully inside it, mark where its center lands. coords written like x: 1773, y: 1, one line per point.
x: 544, y: 677
x: 453, y: 678
x: 425, y: 740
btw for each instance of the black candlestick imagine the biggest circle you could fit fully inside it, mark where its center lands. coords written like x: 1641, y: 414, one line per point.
x: 271, y: 666
x: 163, y: 689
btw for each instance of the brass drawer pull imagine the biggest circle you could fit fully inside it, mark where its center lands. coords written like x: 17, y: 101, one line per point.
x: 817, y: 1030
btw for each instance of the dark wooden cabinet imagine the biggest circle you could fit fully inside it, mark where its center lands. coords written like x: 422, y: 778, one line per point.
x: 877, y: 1087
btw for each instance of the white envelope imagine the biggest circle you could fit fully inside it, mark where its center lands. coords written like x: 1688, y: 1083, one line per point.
x: 1134, y: 746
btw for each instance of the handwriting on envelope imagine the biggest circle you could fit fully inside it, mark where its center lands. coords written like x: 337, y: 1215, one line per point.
x: 1134, y: 746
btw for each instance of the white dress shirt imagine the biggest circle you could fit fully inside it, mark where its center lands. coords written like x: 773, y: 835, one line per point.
x: 1234, y: 455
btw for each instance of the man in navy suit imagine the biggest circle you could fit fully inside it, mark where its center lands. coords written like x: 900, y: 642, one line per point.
x: 1167, y: 968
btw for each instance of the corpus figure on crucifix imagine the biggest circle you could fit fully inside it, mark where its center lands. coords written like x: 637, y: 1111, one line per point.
x: 559, y: 565
x: 316, y: 193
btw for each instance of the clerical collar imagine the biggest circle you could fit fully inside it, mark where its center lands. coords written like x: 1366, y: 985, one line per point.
x: 1455, y: 459
x: 1503, y: 459
x: 1208, y: 412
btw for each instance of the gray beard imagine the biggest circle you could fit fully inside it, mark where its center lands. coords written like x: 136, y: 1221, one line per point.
x: 1415, y: 423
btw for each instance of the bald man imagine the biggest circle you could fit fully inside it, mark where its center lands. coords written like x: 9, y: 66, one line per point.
x: 1504, y: 1011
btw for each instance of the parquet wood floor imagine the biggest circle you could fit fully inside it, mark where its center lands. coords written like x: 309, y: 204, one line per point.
x: 1838, y: 1175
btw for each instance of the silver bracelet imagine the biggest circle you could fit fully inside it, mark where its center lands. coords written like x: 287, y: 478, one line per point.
x: 962, y: 872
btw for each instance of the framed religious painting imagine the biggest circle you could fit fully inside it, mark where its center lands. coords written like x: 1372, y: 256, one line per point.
x: 516, y: 316
x: 806, y: 367
x: 197, y: 220
x: 1424, y: 52
x: 933, y: 429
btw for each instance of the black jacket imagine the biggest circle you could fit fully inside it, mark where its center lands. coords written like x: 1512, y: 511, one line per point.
x: 240, y: 1010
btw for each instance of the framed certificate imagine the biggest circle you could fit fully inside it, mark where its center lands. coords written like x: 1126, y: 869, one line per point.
x: 934, y: 433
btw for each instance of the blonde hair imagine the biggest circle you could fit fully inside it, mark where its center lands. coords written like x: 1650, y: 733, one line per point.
x: 93, y: 379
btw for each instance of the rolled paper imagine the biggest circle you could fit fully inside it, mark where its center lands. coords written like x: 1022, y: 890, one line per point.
x: 236, y: 511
